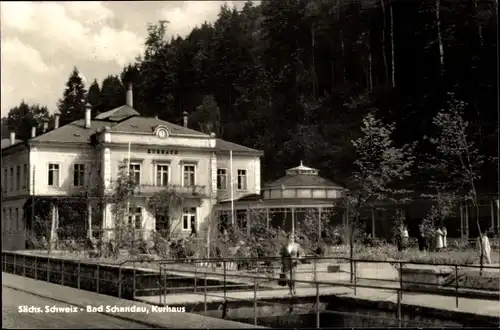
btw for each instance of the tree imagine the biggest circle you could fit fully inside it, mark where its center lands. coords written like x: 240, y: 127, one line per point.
x: 23, y: 117
x: 207, y: 116
x: 379, y: 167
x: 93, y: 97
x: 457, y: 157
x: 121, y: 195
x: 112, y: 94
x: 72, y: 104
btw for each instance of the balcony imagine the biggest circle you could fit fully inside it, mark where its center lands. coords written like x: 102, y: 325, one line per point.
x: 191, y: 191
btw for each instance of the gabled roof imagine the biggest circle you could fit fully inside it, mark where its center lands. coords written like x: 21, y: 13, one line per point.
x: 147, y: 125
x: 224, y: 145
x: 118, y: 114
x: 74, y: 132
x: 6, y: 143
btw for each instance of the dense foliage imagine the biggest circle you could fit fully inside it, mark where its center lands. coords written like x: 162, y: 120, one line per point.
x: 295, y: 78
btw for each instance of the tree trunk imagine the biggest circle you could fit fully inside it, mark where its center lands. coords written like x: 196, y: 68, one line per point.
x: 440, y: 39
x: 342, y: 48
x: 384, y: 55
x: 393, y: 62
x: 479, y: 26
x: 370, y: 70
x: 313, y: 64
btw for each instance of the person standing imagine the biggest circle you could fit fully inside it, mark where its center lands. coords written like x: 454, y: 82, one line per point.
x: 439, y: 239
x: 486, y: 247
x: 289, y: 258
x: 399, y: 237
x: 421, y: 239
x: 445, y: 234
x: 404, y: 238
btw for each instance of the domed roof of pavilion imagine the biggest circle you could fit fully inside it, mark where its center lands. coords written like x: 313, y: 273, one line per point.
x: 302, y: 176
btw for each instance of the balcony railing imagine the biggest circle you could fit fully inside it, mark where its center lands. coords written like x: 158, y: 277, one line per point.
x: 194, y: 191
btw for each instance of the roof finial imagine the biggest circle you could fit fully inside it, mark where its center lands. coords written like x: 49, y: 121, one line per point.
x: 301, y: 164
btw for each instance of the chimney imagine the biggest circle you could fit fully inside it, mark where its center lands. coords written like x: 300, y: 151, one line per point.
x: 185, y: 119
x: 45, y: 126
x: 56, y: 120
x: 130, y: 96
x: 12, y: 138
x: 33, y: 132
x: 88, y: 111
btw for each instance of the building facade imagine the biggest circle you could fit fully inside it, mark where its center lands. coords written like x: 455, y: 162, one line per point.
x: 82, y: 160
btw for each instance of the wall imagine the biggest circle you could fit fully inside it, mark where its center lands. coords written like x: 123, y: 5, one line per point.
x: 41, y: 157
x: 13, y: 228
x: 148, y: 161
x: 14, y: 194
x: 150, y: 139
x: 243, y: 162
x: 18, y: 157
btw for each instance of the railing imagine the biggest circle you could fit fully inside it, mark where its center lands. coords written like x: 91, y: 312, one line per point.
x: 217, y: 278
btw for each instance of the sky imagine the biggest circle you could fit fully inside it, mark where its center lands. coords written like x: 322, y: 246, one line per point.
x: 42, y: 41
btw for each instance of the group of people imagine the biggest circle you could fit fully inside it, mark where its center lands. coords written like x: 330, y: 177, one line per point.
x: 440, y: 239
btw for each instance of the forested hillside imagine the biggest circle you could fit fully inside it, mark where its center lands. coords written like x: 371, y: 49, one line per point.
x: 295, y: 78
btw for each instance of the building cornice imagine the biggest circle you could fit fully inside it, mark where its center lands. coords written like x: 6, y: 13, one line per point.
x: 240, y: 152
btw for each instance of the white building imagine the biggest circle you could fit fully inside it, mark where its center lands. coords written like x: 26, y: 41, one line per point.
x: 84, y: 156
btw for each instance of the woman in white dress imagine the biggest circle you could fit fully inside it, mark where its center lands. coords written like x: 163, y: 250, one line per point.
x: 486, y: 247
x: 439, y: 239
x: 445, y: 233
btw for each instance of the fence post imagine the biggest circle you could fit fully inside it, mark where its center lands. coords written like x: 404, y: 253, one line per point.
x: 401, y: 279
x: 224, y: 304
x: 205, y: 294
x: 62, y: 272
x: 315, y: 269
x: 355, y: 277
x: 36, y: 268
x: 24, y: 266
x: 133, y: 283
x: 399, y: 308
x: 97, y: 279
x: 456, y: 286
x: 164, y: 286
x: 255, y: 301
x: 48, y: 269
x: 318, y: 322
x: 195, y: 277
x: 78, y: 275
x: 120, y: 282
x: 225, y: 277
x: 15, y: 263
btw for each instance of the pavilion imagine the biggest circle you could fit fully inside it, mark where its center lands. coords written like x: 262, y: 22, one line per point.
x: 285, y: 201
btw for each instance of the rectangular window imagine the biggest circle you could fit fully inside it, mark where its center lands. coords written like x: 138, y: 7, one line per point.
x: 26, y: 178
x: 189, y: 175
x: 11, y: 179
x: 78, y: 175
x: 162, y: 223
x: 222, y: 179
x: 135, y: 217
x: 18, y: 177
x: 11, y: 221
x: 162, y: 175
x: 135, y: 173
x: 242, y: 180
x: 5, y: 180
x: 53, y: 175
x: 18, y: 223
x: 189, y: 218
